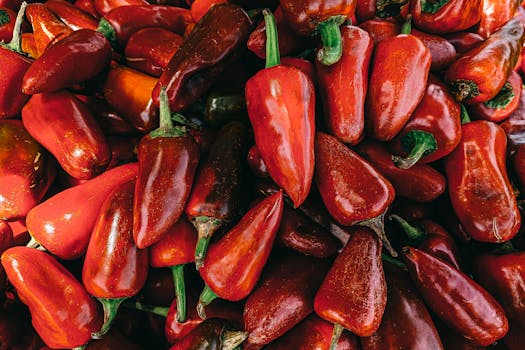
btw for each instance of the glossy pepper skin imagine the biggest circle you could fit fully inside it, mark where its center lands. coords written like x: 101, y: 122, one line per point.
x: 420, y: 183
x: 443, y: 52
x: 65, y: 126
x: 343, y: 86
x: 71, y: 15
x: 495, y: 14
x: 212, y: 334
x: 433, y: 130
x: 479, y: 74
x: 380, y: 29
x: 149, y: 50
x: 65, y: 230
x: 353, y: 293
x: 103, y: 7
x: 406, y: 323
x: 445, y: 16
x: 402, y: 64
x: 78, y: 57
x: 114, y: 268
x: 129, y: 92
x: 200, y: 7
x: 6, y: 241
x: 62, y: 312
x: 88, y: 6
x: 282, y: 299
x: 26, y: 170
x: 464, y: 41
x: 7, y: 24
x: 501, y: 106
x: 214, y: 42
x: 514, y: 125
x: 479, y: 188
x: 519, y: 164
x: 445, y: 289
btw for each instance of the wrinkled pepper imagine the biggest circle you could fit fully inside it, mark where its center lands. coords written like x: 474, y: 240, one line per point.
x: 445, y: 16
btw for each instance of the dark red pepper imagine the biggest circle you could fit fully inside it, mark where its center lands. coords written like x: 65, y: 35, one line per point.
x: 200, y: 7
x: 445, y: 16
x: 442, y: 51
x: 71, y: 15
x: 514, y: 126
x: 256, y: 164
x: 380, y: 29
x: 212, y: 334
x: 464, y: 41
x: 88, y: 6
x: 103, y: 7
x: 519, y: 164
x: 370, y: 9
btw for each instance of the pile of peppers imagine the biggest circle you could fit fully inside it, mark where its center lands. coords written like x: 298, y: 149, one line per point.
x: 270, y: 174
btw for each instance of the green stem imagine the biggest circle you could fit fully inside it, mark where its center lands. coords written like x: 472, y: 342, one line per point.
x: 232, y: 339
x: 503, y: 98
x: 273, y: 57
x: 16, y: 41
x: 4, y: 17
x: 407, y: 26
x: 206, y: 227
x: 465, y: 118
x: 106, y: 29
x: 393, y: 261
x: 179, y: 118
x: 330, y: 33
x: 377, y: 225
x: 33, y: 243
x: 206, y: 297
x: 418, y: 143
x: 413, y: 233
x: 389, y: 8
x: 157, y: 310
x: 336, y: 334
x: 180, y: 291
x: 432, y: 6
x: 110, y: 307
x: 166, y: 128
x: 463, y: 89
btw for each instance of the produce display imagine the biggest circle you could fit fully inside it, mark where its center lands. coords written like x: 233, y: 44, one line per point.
x: 271, y: 174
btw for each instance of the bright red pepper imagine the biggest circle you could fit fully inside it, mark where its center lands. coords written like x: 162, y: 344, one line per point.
x: 200, y: 7
x: 353, y: 293
x: 71, y: 15
x: 168, y: 158
x: 445, y: 290
x: 77, y: 58
x: 480, y: 74
x: 398, y: 78
x: 343, y: 86
x: 351, y: 189
x: 64, y: 230
x: 406, y: 323
x: 83, y: 152
x: 501, y: 106
x: 62, y: 312
x: 494, y: 14
x: 114, y: 268
x: 26, y: 170
x: 421, y: 183
x: 214, y: 333
x: 234, y: 264
x: 445, y: 16
x: 433, y: 130
x: 281, y: 107
x: 380, y: 29
x: 7, y: 24
x: 149, y: 50
x: 302, y: 64
x: 103, y: 7
x: 479, y: 188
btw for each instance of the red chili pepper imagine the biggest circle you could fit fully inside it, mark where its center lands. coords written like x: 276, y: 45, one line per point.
x: 445, y: 290
x: 121, y: 22
x: 149, y: 50
x: 103, y: 7
x: 501, y: 106
x: 479, y: 188
x: 433, y: 130
x: 64, y: 230
x: 176, y: 250
x: 351, y: 189
x: 445, y: 16
x: 7, y: 24
x: 519, y: 164
x: 234, y: 264
x: 314, y: 16
x: 62, y: 312
x: 129, y: 92
x: 256, y: 164
x: 353, y: 293
x: 443, y: 52
x: 514, y: 126
x: 26, y: 171
x: 289, y: 280
x: 464, y: 41
x: 380, y: 29
x: 168, y: 158
x: 281, y: 107
x: 214, y: 333
x: 343, y: 86
x: 214, y: 42
x: 114, y: 268
x: 123, y: 150
x: 78, y: 57
x: 480, y: 74
x: 494, y: 14
x: 302, y: 64
x: 421, y: 183
x: 6, y: 241
x: 83, y: 152
x: 71, y: 15
x: 398, y: 78
x: 29, y: 46
x: 88, y: 6
x: 406, y: 323
x: 200, y: 7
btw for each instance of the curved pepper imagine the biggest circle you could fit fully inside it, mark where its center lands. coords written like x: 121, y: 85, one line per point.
x: 149, y: 50
x: 47, y: 28
x: 494, y: 14
x: 480, y: 74
x: 320, y: 17
x: 62, y: 312
x: 64, y: 230
x: 71, y: 15
x: 281, y: 107
x: 200, y: 7
x: 65, y: 126
x: 212, y: 334
x: 464, y: 41
x: 433, y: 130
x: 442, y: 51
x: 77, y: 58
x: 380, y: 29
x: 445, y: 16
x: 234, y: 264
x: 445, y: 290
x: 214, y: 42
x: 479, y: 188
x: 399, y: 73
x: 26, y: 170
x: 88, y: 6
x: 103, y: 7
x: 343, y: 86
